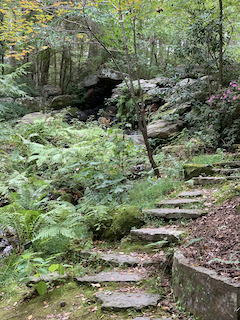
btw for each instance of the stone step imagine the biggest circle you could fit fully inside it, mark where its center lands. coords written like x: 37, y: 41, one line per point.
x: 147, y: 318
x: 194, y: 193
x: 177, y: 202
x: 118, y: 259
x: 157, y: 234
x: 231, y: 164
x: 117, y: 301
x: 175, y: 213
x: 226, y: 172
x: 212, y: 180
x: 122, y: 276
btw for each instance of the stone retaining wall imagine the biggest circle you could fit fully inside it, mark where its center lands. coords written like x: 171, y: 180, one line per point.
x: 203, y: 292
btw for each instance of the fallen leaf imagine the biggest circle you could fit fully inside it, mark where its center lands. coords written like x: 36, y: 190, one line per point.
x: 94, y: 309
x: 45, y: 302
x: 96, y: 285
x: 165, y: 308
x: 46, y: 306
x: 15, y: 303
x: 30, y: 317
x: 50, y: 316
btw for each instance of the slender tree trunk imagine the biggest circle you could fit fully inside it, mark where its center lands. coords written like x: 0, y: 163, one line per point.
x: 142, y: 125
x: 37, y: 69
x: 45, y: 64
x: 220, y: 76
x: 2, y: 46
x: 139, y: 110
x: 61, y: 71
x: 55, y: 68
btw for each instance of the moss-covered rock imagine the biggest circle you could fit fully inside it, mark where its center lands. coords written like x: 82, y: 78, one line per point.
x: 194, y: 170
x: 124, y: 219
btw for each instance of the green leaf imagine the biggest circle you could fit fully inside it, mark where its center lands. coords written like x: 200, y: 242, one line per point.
x: 61, y: 269
x: 53, y: 267
x: 41, y: 287
x: 43, y: 271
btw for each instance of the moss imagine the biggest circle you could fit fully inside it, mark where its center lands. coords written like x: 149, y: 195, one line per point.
x: 228, y: 191
x: 123, y: 221
x: 194, y: 170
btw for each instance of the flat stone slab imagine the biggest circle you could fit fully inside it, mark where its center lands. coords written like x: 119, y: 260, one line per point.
x: 203, y: 292
x: 177, y: 202
x: 118, y: 301
x: 226, y: 172
x: 175, y: 213
x: 232, y: 164
x: 195, y: 193
x: 147, y: 318
x: 116, y: 259
x: 109, y: 277
x: 213, y: 180
x: 51, y: 277
x: 157, y: 234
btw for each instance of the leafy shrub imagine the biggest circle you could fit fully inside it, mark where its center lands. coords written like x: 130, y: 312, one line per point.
x: 97, y: 219
x: 11, y: 110
x: 219, y: 120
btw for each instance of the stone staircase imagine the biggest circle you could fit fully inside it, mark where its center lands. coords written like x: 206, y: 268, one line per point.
x: 217, y: 173
x: 168, y: 209
x: 116, y: 301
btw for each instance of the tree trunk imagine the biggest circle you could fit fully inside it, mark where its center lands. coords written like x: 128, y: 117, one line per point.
x: 139, y: 110
x: 220, y: 76
x: 45, y: 64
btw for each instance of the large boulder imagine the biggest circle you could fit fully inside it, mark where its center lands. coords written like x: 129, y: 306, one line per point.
x: 32, y: 104
x: 163, y: 129
x: 107, y: 73
x: 89, y: 81
x: 63, y: 101
x: 103, y: 77
x: 193, y: 71
x: 194, y: 170
x: 8, y: 100
x: 30, y: 118
x: 50, y: 91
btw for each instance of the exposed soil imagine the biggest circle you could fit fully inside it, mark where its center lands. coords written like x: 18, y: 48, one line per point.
x: 214, y: 241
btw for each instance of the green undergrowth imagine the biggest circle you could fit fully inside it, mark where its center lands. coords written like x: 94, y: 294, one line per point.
x: 210, y: 159
x: 80, y: 304
x: 68, y: 188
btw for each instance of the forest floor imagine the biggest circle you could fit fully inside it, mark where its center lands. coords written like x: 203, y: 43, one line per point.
x: 217, y: 240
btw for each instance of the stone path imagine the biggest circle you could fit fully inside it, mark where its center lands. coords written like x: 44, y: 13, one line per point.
x: 116, y: 301
x: 195, y: 193
x: 177, y: 202
x: 221, y: 172
x: 174, y: 213
x: 118, y: 259
x: 110, y: 277
x: 157, y: 234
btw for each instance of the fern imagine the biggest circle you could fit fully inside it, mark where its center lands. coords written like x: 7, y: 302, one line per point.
x: 8, y: 85
x: 62, y: 219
